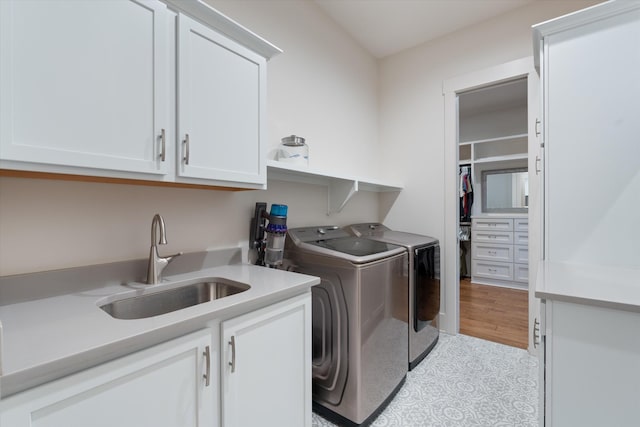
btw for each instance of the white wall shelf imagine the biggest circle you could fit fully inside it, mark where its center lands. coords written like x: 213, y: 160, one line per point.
x: 340, y: 188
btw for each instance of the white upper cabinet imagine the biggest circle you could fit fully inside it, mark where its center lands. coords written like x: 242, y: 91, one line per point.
x: 221, y: 88
x: 83, y: 84
x: 150, y: 90
x: 589, y: 64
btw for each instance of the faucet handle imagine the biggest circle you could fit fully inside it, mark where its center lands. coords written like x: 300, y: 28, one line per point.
x: 172, y: 257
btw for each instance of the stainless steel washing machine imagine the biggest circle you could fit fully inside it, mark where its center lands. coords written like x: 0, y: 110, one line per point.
x: 424, y: 284
x: 359, y: 318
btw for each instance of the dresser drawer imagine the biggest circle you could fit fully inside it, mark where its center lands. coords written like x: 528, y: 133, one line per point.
x: 490, y: 252
x: 521, y: 254
x: 521, y: 273
x: 521, y: 224
x: 521, y: 238
x: 492, y: 269
x: 498, y: 237
x: 505, y: 224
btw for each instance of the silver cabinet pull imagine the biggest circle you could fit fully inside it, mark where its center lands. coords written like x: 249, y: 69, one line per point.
x: 537, y: 123
x: 163, y: 139
x: 536, y: 333
x: 232, y: 343
x: 207, y: 357
x: 186, y: 149
x: 538, y: 162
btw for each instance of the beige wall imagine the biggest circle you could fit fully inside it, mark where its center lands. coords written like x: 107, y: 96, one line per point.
x: 412, y: 104
x: 325, y: 88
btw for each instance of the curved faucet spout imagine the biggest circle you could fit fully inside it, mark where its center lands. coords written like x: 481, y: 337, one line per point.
x: 158, y: 221
x: 156, y: 262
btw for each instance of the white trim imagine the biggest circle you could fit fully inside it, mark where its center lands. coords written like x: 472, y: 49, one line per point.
x: 575, y: 19
x: 450, y: 89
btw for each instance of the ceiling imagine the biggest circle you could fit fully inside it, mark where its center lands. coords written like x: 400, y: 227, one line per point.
x: 385, y: 27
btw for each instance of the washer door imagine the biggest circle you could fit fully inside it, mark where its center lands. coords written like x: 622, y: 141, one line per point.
x: 329, y: 339
x: 427, y: 287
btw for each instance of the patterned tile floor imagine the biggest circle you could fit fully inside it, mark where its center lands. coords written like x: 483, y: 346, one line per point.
x: 465, y: 382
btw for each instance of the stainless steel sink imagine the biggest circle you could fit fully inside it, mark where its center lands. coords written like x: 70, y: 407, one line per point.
x: 154, y: 304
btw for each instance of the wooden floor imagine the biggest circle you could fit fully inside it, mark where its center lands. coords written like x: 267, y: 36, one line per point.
x: 494, y: 313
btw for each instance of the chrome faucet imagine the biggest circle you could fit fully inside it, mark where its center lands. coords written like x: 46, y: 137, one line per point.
x: 156, y: 262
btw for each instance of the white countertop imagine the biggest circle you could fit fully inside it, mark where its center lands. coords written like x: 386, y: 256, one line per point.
x: 610, y: 287
x: 51, y: 337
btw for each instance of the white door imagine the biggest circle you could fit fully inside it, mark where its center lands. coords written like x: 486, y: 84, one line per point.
x: 221, y: 96
x: 266, y: 367
x: 164, y: 386
x: 83, y: 84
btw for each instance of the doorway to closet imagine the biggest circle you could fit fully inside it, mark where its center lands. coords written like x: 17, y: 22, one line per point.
x: 490, y: 119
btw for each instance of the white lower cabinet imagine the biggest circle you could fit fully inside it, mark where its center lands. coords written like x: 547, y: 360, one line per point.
x: 266, y: 366
x: 263, y: 378
x: 591, y: 363
x: 171, y: 384
x: 499, y: 251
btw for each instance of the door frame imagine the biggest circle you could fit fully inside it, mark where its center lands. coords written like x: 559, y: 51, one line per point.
x: 451, y: 88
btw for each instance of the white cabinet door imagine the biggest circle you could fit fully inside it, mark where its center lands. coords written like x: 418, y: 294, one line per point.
x: 266, y: 366
x: 592, y: 362
x: 83, y: 84
x: 592, y: 158
x: 161, y: 386
x: 221, y: 96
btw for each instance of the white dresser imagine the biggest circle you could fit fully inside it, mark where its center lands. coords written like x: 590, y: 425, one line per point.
x: 499, y: 251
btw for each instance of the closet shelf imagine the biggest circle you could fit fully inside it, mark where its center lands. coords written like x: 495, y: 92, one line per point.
x: 519, y: 156
x: 341, y: 188
x: 497, y: 139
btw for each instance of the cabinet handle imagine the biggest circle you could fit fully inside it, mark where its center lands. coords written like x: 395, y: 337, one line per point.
x: 186, y: 149
x: 537, y: 123
x: 163, y: 140
x: 536, y: 333
x: 232, y: 343
x: 207, y: 357
x: 538, y: 162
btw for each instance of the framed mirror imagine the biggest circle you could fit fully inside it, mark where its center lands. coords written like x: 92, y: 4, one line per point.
x: 505, y: 190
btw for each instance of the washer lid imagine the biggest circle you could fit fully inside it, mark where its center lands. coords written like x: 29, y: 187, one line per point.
x: 337, y: 243
x: 356, y: 246
x: 377, y: 231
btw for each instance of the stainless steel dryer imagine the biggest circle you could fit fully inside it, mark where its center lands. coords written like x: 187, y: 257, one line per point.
x: 424, y: 284
x: 359, y: 320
